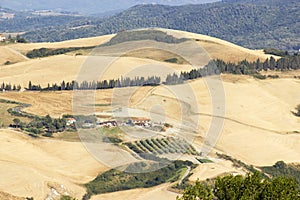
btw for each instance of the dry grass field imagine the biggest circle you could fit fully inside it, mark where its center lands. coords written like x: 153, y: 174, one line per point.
x: 10, y: 55
x: 33, y: 166
x: 221, y: 49
x: 259, y: 109
x: 259, y: 127
x: 159, y: 192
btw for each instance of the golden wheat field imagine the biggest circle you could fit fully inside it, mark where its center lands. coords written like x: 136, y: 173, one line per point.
x: 259, y: 127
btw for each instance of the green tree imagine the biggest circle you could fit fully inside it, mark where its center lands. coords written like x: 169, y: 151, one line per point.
x: 280, y: 188
x: 29, y: 85
x: 17, y: 122
x: 250, y: 187
x: 198, y: 191
x: 297, y: 113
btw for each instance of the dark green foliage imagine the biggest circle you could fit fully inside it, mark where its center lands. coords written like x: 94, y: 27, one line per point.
x: 65, y: 197
x: 244, y: 67
x: 7, y: 63
x: 97, y: 85
x: 114, y: 140
x: 297, y: 113
x: 9, y: 87
x: 203, y: 160
x: 45, y: 52
x: 252, y: 186
x: 254, y: 24
x: 114, y: 180
x: 172, y: 60
x: 160, y: 146
x: 45, y: 125
x: 159, y: 36
x: 259, y: 76
x: 283, y: 169
x: 276, y: 52
x: 10, y: 102
x: 273, y: 76
x: 38, y: 125
x: 197, y: 191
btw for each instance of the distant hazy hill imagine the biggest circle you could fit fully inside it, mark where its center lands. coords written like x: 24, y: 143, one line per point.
x: 88, y: 7
x: 21, y: 21
x: 253, y: 24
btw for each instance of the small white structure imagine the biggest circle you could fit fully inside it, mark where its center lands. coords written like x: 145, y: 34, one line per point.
x: 2, y: 38
x: 71, y: 121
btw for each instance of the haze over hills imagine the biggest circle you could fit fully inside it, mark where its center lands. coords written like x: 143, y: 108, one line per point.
x: 89, y: 7
x: 251, y: 24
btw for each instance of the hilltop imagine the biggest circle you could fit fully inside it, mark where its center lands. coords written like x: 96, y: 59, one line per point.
x: 252, y: 24
x: 66, y: 66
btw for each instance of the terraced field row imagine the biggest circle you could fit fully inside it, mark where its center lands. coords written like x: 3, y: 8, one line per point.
x: 159, y: 146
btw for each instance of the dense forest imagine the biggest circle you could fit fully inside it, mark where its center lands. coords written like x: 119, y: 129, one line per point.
x: 253, y: 24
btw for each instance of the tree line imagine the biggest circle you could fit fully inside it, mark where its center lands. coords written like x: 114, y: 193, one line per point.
x: 44, y: 52
x: 244, y: 67
x: 98, y: 85
x: 214, y: 67
x: 10, y: 87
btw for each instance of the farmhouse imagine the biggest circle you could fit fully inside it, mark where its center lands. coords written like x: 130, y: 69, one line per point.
x: 2, y: 38
x: 141, y: 121
x: 108, y: 124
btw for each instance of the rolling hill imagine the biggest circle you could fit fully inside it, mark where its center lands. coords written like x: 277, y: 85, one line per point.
x: 25, y: 70
x: 259, y: 127
x: 252, y: 24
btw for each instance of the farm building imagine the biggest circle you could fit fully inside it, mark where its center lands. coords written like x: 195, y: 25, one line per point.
x: 71, y: 121
x: 108, y: 124
x: 141, y: 121
x: 2, y: 38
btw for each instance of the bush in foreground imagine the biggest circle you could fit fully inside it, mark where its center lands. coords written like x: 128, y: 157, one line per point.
x: 252, y: 186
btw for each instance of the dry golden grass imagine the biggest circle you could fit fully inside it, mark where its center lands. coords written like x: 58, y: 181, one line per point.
x: 55, y: 69
x: 7, y: 196
x: 159, y: 192
x: 9, y: 55
x: 84, y: 42
x: 258, y: 130
x: 258, y: 113
x: 259, y: 127
x: 30, y: 167
x: 222, y: 49
x: 42, y: 71
x: 155, y: 54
